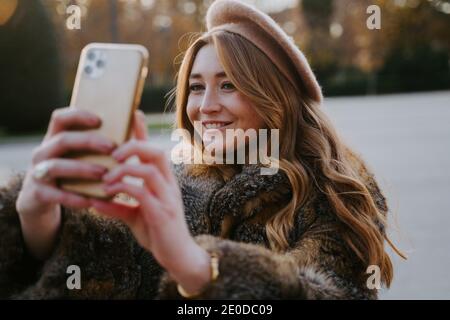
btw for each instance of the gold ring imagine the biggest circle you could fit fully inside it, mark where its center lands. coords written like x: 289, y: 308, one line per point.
x: 40, y: 171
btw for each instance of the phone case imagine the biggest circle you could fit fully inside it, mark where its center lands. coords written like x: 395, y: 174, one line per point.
x: 109, y: 83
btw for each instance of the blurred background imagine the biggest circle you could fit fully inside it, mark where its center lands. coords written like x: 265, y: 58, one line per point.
x: 386, y: 89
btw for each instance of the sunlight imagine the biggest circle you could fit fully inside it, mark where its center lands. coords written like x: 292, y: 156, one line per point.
x: 7, y: 9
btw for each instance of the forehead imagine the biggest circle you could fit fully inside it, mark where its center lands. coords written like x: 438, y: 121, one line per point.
x: 206, y: 61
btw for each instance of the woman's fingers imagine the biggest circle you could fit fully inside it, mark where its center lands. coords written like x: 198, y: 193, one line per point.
x: 146, y: 153
x: 69, y: 118
x: 140, y: 125
x: 132, y: 216
x: 137, y: 192
x: 147, y: 202
x: 149, y: 173
x: 114, y: 210
x: 67, y: 168
x: 64, y: 142
x: 48, y: 194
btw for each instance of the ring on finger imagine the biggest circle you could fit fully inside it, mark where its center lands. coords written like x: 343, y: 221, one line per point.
x: 41, y: 170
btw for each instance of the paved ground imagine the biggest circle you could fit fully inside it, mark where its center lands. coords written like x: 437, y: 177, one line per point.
x: 406, y: 141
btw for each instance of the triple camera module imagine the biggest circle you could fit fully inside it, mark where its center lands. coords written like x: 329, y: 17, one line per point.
x: 95, y: 63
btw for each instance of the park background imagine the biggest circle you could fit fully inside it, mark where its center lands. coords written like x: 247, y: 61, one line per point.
x: 387, y: 91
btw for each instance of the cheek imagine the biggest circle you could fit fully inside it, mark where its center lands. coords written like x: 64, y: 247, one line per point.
x: 192, y: 110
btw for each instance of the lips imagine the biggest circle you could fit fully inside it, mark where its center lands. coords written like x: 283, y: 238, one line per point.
x: 215, y: 124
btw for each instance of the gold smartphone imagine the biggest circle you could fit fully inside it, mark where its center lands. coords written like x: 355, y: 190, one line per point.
x: 109, y: 83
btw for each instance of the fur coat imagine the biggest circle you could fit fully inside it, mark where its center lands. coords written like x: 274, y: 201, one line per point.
x: 224, y: 216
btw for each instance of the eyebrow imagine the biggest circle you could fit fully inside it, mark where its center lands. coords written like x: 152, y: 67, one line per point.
x: 199, y: 76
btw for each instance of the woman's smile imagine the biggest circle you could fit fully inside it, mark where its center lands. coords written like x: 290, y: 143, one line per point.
x: 214, y: 124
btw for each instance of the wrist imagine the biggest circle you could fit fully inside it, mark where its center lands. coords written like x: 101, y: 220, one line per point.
x: 45, y: 219
x: 194, y: 273
x: 39, y: 231
x: 38, y: 215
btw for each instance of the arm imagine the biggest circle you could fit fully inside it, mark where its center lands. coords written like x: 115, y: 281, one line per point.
x: 40, y: 231
x: 112, y: 264
x: 37, y: 258
x: 319, y: 267
x: 40, y: 199
x: 18, y: 268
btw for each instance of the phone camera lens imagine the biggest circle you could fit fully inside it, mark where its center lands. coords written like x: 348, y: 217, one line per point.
x: 88, y: 69
x: 100, y: 63
x: 91, y: 55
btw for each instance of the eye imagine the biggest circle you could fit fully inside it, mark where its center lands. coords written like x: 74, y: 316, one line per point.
x: 195, y: 87
x: 228, y: 86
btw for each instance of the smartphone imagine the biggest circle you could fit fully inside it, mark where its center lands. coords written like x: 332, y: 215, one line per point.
x: 109, y: 83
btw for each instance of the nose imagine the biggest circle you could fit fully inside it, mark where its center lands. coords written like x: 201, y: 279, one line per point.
x: 210, y: 102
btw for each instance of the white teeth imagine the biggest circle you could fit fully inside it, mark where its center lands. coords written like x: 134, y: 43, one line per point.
x: 214, y: 125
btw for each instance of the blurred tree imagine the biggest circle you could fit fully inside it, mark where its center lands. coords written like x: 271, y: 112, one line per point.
x: 318, y: 12
x: 30, y: 82
x: 347, y: 57
x: 357, y: 47
x: 415, y: 46
x: 113, y: 20
x: 320, y: 48
x: 156, y: 24
x: 410, y: 52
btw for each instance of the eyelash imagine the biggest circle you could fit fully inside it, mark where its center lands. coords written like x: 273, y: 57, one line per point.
x: 193, y: 87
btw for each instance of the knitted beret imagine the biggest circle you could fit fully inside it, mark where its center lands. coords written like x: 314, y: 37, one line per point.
x: 261, y: 30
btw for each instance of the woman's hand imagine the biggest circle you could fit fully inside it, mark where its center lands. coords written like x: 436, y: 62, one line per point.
x: 158, y: 221
x: 39, y: 200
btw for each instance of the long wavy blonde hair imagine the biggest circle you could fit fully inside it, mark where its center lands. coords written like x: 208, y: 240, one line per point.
x: 311, y: 154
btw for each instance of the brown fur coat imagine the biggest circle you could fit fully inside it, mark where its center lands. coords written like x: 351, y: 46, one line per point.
x: 227, y: 217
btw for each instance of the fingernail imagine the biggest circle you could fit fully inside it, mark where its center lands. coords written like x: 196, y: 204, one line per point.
x: 107, y: 177
x: 94, y: 120
x: 116, y: 155
x: 141, y: 115
x: 100, y: 172
x: 106, y: 146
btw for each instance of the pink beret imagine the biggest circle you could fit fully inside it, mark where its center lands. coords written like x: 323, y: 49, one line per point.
x: 260, y: 29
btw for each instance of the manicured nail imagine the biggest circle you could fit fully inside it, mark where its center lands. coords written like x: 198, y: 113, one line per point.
x: 141, y: 115
x: 107, y: 146
x: 94, y: 120
x: 117, y: 155
x: 107, y: 188
x: 101, y: 169
x: 99, y: 173
x: 107, y: 177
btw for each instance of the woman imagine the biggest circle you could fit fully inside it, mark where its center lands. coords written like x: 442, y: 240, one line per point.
x: 205, y: 231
